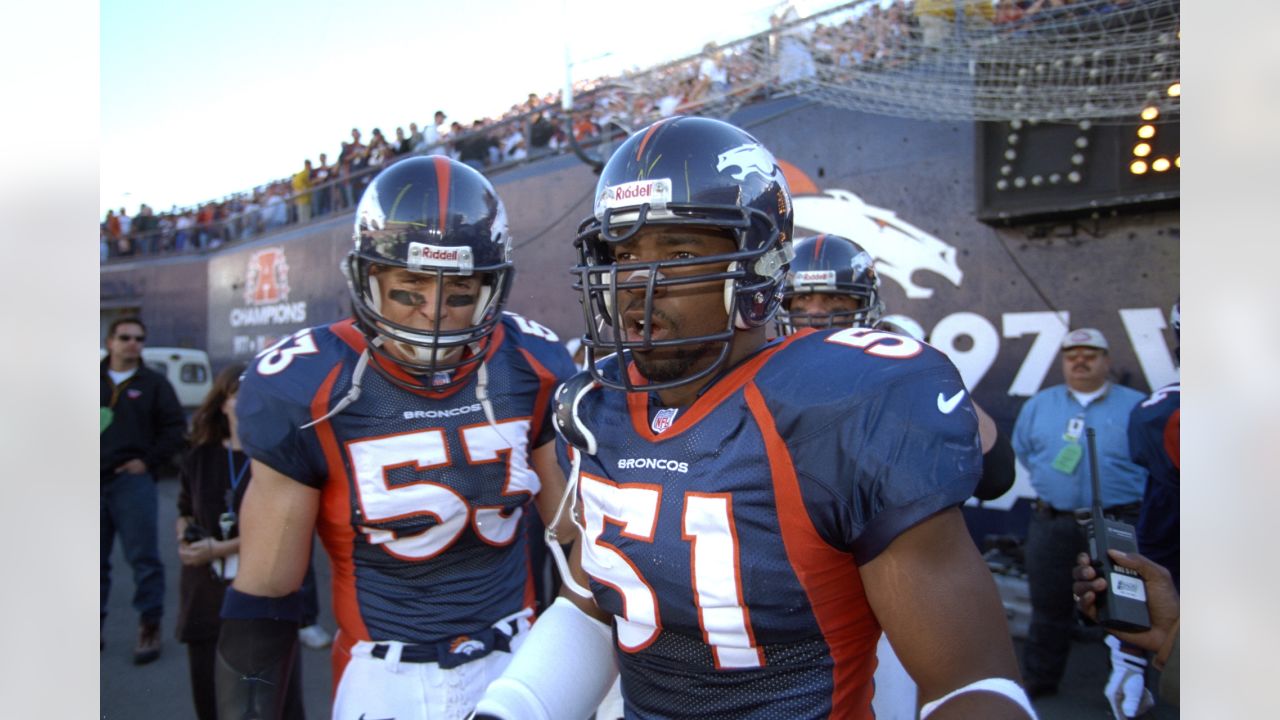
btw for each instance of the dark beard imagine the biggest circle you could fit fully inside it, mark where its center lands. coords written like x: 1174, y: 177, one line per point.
x: 667, y: 364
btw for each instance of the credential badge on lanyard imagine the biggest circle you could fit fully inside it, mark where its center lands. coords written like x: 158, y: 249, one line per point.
x: 1075, y: 428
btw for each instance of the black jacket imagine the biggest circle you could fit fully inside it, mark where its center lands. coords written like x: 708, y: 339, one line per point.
x: 147, y: 420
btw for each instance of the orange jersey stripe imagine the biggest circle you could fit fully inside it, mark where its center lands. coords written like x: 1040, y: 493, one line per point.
x: 335, y: 517
x: 829, y: 577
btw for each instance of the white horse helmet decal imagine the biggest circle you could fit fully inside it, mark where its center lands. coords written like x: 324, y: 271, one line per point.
x: 749, y: 159
x: 899, y: 248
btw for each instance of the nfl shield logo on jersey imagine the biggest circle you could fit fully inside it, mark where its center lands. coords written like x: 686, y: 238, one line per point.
x: 663, y: 419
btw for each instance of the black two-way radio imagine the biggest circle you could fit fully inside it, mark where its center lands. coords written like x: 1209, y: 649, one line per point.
x: 1124, y: 605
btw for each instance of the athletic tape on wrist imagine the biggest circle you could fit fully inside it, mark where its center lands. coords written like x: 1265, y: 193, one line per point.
x: 565, y: 642
x: 999, y: 686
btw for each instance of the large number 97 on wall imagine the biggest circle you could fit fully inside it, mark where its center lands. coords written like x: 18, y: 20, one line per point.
x: 973, y: 343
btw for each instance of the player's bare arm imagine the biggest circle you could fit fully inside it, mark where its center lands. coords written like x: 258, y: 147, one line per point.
x: 259, y: 633
x: 936, y: 601
x: 277, y: 519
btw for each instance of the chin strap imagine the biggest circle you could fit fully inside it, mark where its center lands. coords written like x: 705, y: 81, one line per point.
x: 570, y: 502
x: 352, y: 395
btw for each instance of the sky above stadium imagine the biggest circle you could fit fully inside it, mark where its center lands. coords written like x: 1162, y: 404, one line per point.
x: 201, y: 100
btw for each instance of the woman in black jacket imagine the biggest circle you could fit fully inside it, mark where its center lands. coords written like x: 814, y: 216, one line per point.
x: 213, y: 475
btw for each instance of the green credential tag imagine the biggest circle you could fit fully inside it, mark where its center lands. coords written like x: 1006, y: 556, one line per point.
x: 1068, y: 458
x: 104, y: 419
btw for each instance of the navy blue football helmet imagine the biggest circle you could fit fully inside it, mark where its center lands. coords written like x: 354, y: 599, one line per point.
x: 430, y: 215
x: 833, y: 265
x: 684, y: 171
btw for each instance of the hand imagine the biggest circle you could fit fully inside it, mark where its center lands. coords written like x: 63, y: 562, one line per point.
x: 200, y: 552
x: 133, y: 467
x: 1162, y: 597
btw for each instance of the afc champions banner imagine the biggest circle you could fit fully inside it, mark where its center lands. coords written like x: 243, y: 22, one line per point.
x: 262, y: 294
x: 265, y: 312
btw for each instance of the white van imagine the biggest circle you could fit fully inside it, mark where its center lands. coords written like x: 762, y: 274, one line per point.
x: 187, y: 369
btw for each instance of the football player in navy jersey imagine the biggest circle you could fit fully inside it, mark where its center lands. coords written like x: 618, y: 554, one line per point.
x: 1155, y: 444
x: 415, y: 438
x: 832, y: 282
x: 751, y: 513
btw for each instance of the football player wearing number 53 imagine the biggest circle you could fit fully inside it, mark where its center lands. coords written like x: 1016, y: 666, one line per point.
x: 752, y: 512
x: 415, y: 438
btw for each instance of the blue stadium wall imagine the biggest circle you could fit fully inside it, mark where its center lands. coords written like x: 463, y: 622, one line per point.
x: 994, y: 297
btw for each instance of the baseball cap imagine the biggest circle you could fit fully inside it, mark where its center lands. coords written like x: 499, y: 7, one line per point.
x: 1085, y: 337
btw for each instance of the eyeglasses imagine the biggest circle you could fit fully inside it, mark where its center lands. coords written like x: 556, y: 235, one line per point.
x: 130, y: 338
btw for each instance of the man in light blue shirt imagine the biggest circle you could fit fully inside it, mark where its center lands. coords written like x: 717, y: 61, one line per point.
x: 1049, y: 440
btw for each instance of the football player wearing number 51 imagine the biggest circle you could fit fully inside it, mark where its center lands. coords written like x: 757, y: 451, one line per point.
x: 751, y: 512
x: 415, y: 438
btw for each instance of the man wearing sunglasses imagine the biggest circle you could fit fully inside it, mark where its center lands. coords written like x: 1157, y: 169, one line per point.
x: 142, y: 425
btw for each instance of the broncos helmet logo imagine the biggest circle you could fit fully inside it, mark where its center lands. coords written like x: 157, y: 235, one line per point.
x: 749, y: 159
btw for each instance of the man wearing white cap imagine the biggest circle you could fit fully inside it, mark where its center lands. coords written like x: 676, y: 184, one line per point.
x: 1049, y: 440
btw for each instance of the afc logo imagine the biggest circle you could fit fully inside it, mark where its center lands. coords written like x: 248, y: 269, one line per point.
x: 267, y: 277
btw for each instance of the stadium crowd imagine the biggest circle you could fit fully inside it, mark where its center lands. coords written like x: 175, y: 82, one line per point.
x: 863, y: 36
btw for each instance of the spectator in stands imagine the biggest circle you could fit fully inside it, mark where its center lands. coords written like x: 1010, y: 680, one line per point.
x: 182, y: 230
x: 474, y: 150
x: 145, y: 230
x: 141, y: 430
x: 433, y: 135
x: 415, y: 137
x: 1048, y: 8
x: 127, y: 245
x: 359, y: 157
x: 274, y: 212
x: 301, y: 184
x: 343, y: 197
x: 402, y: 145
x: 204, y: 226
x: 712, y: 78
x: 380, y: 150
x: 322, y: 193
x: 1008, y: 12
x: 795, y: 62
x: 514, y: 148
x: 112, y: 225
x: 456, y: 140
x: 937, y: 18
x: 251, y: 217
x: 165, y: 230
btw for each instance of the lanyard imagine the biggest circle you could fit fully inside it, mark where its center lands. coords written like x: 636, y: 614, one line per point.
x: 236, y: 475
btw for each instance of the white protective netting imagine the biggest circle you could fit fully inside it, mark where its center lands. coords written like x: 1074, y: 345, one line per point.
x: 965, y: 60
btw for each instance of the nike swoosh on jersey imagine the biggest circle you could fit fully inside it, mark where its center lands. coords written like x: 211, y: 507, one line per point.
x: 946, y: 405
